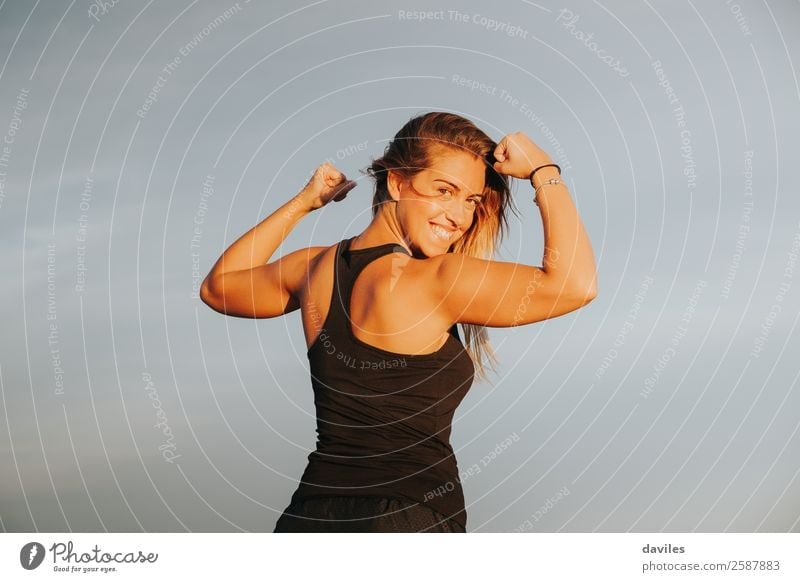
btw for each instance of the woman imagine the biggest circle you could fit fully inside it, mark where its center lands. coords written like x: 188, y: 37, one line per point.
x: 380, y: 309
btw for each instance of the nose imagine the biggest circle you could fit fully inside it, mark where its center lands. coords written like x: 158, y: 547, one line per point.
x: 456, y: 213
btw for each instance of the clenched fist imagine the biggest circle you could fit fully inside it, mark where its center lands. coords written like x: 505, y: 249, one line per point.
x: 517, y: 156
x: 325, y: 185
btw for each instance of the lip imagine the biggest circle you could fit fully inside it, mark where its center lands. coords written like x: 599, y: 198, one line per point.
x: 449, y: 230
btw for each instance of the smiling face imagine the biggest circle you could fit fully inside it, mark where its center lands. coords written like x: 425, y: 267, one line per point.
x: 437, y: 206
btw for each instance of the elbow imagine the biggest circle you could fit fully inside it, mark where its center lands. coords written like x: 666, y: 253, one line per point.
x: 585, y: 292
x: 590, y: 290
x: 207, y: 295
x: 583, y: 295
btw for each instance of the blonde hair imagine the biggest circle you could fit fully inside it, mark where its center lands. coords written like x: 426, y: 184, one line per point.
x: 411, y: 151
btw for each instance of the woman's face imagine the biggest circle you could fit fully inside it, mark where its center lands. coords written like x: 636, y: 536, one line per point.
x: 437, y: 206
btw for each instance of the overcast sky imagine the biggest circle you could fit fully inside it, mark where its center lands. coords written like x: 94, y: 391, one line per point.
x: 140, y: 139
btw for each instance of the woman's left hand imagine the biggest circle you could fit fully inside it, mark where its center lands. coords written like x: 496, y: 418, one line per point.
x: 517, y: 156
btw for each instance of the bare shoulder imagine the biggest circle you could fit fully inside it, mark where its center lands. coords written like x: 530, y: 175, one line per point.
x: 302, y: 262
x: 310, y: 254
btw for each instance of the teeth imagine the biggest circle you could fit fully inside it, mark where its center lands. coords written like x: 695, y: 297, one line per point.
x: 442, y: 233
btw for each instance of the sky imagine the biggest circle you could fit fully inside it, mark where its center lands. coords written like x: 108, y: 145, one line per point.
x: 140, y: 139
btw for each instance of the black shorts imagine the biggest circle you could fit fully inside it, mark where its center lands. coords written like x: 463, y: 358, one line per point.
x: 363, y: 514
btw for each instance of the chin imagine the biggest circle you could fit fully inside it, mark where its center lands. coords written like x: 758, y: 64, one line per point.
x: 432, y: 250
x: 425, y: 250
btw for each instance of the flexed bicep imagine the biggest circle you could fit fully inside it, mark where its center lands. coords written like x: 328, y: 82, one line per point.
x: 501, y: 294
x: 263, y: 291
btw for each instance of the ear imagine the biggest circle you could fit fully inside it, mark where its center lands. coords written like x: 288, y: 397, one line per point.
x: 394, y: 183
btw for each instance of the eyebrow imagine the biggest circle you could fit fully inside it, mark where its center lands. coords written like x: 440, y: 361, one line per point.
x: 480, y: 195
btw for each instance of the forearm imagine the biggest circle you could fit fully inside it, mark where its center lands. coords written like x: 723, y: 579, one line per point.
x: 257, y: 245
x: 568, y: 255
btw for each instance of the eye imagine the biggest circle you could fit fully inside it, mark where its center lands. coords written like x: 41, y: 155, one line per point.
x: 445, y: 191
x: 476, y: 201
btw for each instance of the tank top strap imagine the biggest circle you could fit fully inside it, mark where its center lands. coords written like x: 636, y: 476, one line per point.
x: 348, y: 264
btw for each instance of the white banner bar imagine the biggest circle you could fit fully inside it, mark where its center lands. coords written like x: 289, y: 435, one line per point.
x: 401, y: 557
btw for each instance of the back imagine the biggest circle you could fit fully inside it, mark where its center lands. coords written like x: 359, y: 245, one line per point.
x: 383, y: 418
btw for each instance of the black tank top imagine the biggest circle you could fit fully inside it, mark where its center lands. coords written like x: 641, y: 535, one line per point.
x: 383, y: 418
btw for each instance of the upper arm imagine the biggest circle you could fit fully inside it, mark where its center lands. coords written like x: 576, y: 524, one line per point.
x: 262, y: 291
x: 502, y: 294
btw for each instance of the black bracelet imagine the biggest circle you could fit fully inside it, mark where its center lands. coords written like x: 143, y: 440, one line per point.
x: 544, y: 166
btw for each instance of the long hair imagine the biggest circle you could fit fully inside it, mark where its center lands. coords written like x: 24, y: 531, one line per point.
x: 412, y: 150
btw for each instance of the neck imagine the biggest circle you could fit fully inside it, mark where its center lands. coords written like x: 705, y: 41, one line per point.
x: 382, y: 230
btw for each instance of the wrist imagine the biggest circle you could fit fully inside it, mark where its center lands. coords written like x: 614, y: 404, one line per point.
x: 301, y: 203
x: 543, y: 175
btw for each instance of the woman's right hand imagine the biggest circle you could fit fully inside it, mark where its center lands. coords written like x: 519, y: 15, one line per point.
x: 326, y: 184
x: 517, y: 156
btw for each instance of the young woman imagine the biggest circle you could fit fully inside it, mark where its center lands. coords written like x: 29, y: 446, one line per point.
x: 380, y: 309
